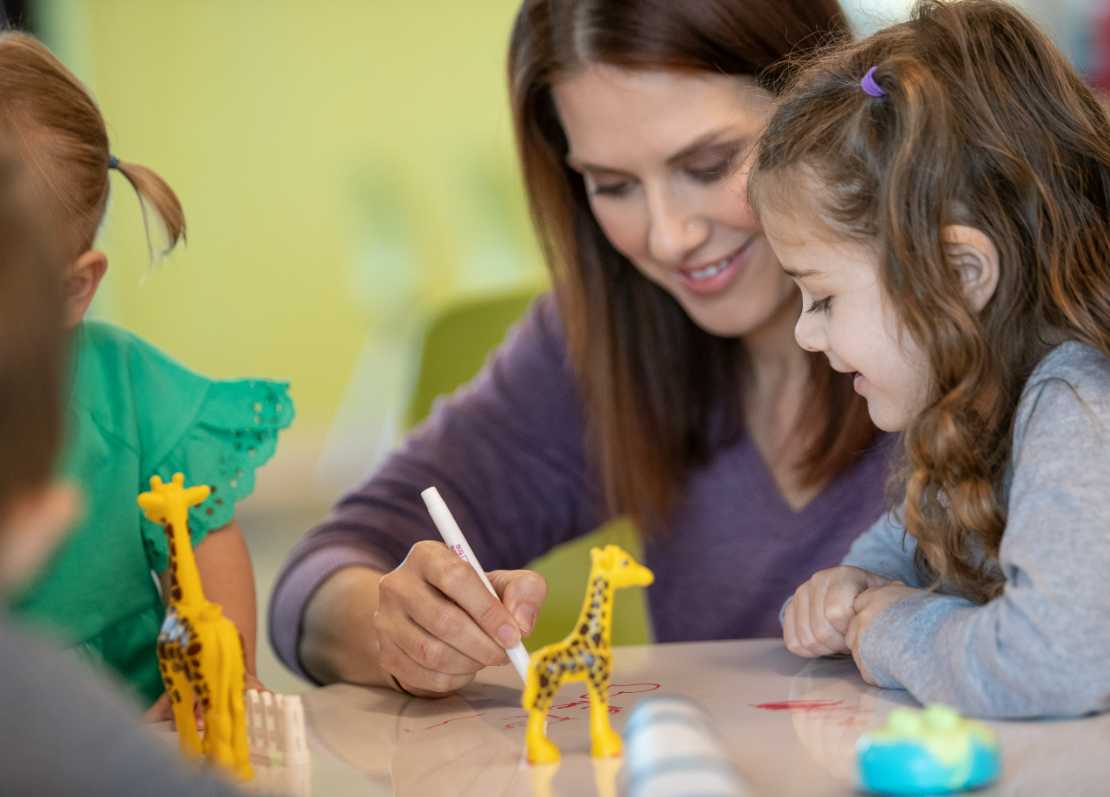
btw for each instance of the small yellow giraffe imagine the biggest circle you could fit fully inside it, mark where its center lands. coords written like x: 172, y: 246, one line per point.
x: 582, y: 656
x: 199, y: 650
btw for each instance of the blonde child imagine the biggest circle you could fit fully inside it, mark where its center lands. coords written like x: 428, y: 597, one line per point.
x: 940, y: 192
x: 132, y: 411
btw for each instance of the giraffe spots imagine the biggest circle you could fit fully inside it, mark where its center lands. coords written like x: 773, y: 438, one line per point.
x: 175, y: 593
x: 583, y: 629
x: 193, y: 649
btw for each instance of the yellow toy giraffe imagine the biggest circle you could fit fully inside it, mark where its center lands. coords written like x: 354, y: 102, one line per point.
x: 199, y: 650
x: 582, y: 656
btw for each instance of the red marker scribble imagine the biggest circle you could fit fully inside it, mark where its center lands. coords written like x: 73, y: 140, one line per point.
x: 799, y: 705
x: 453, y: 719
x: 582, y: 703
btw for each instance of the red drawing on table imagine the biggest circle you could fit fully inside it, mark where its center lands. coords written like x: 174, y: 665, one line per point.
x: 582, y: 703
x: 799, y: 705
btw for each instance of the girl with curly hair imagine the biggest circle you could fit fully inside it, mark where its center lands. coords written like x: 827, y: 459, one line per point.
x: 940, y: 192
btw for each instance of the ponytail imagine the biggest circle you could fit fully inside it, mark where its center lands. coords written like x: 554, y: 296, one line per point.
x: 154, y: 193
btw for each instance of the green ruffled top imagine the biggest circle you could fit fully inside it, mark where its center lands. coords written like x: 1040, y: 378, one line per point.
x: 135, y: 413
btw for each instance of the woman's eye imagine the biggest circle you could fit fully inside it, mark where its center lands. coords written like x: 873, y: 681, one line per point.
x: 819, y: 305
x: 610, y: 189
x: 711, y: 174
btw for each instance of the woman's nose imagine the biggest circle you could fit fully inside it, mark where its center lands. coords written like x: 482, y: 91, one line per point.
x: 676, y: 231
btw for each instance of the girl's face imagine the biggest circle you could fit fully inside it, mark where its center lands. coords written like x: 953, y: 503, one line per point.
x: 846, y: 316
x: 661, y: 154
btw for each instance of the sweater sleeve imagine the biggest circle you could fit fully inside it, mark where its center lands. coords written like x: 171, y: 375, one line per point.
x: 506, y: 451
x: 886, y: 550
x: 1041, y: 647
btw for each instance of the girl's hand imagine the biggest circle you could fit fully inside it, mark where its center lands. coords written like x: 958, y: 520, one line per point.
x: 869, y: 605
x: 159, y: 711
x: 437, y: 625
x: 251, y: 682
x: 817, y: 619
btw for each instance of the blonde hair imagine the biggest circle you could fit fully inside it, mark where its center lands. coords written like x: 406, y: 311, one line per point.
x: 61, y: 134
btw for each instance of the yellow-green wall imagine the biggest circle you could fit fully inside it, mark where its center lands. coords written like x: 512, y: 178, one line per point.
x: 345, y: 168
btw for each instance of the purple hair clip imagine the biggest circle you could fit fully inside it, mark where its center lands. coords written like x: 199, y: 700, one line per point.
x: 869, y: 86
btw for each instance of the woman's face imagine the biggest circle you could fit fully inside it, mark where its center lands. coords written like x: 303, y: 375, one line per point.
x: 662, y: 154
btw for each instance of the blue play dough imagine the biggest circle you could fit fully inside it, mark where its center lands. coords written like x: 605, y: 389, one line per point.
x: 908, y: 768
x: 929, y: 751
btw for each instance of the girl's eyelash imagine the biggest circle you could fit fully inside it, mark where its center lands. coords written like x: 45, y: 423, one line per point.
x: 819, y: 305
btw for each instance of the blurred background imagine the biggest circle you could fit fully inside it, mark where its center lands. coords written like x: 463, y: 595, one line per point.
x: 348, y: 175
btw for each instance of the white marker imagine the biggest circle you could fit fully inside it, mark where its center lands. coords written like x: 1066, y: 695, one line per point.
x: 453, y: 536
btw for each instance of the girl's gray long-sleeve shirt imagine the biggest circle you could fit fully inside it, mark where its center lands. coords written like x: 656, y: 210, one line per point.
x: 1042, y: 648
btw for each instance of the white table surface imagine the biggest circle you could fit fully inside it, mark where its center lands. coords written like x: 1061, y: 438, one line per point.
x: 789, y: 724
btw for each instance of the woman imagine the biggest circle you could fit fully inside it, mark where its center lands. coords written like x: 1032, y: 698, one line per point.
x: 660, y: 381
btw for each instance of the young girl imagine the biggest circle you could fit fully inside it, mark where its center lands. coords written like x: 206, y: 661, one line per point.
x: 941, y: 194
x: 133, y: 412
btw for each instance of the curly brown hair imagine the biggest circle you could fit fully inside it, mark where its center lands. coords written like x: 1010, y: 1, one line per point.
x: 983, y: 123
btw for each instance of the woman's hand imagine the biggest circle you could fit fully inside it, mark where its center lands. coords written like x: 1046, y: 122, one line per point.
x: 868, y: 605
x: 437, y: 625
x: 817, y: 619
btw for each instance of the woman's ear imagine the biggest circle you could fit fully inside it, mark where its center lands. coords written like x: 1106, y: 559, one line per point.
x: 975, y: 257
x: 81, y: 281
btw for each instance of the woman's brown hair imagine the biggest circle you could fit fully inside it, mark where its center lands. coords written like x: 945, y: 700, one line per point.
x: 662, y: 394
x: 983, y: 123
x: 62, y: 135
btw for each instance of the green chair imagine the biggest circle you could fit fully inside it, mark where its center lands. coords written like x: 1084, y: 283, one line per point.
x: 456, y: 344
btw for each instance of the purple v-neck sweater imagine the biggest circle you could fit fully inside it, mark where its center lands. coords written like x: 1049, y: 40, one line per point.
x: 507, y: 453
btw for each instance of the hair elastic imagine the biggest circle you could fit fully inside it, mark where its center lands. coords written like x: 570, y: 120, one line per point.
x: 869, y: 86
x: 113, y: 162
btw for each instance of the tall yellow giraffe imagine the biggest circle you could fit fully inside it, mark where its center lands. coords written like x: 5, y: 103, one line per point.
x: 199, y: 650
x: 583, y: 655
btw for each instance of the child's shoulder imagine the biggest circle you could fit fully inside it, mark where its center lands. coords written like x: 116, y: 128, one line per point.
x: 1071, y: 382
x: 123, y: 354
x: 114, y: 369
x: 1083, y: 368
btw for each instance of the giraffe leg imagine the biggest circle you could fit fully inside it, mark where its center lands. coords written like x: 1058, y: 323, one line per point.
x: 541, y: 750
x: 538, y: 693
x: 604, y: 741
x: 240, y: 747
x: 180, y: 692
x: 217, y: 713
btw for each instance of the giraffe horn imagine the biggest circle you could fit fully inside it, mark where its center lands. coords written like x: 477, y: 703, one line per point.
x: 196, y: 494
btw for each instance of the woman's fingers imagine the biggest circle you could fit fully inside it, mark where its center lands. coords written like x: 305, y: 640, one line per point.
x: 523, y: 593
x: 416, y: 678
